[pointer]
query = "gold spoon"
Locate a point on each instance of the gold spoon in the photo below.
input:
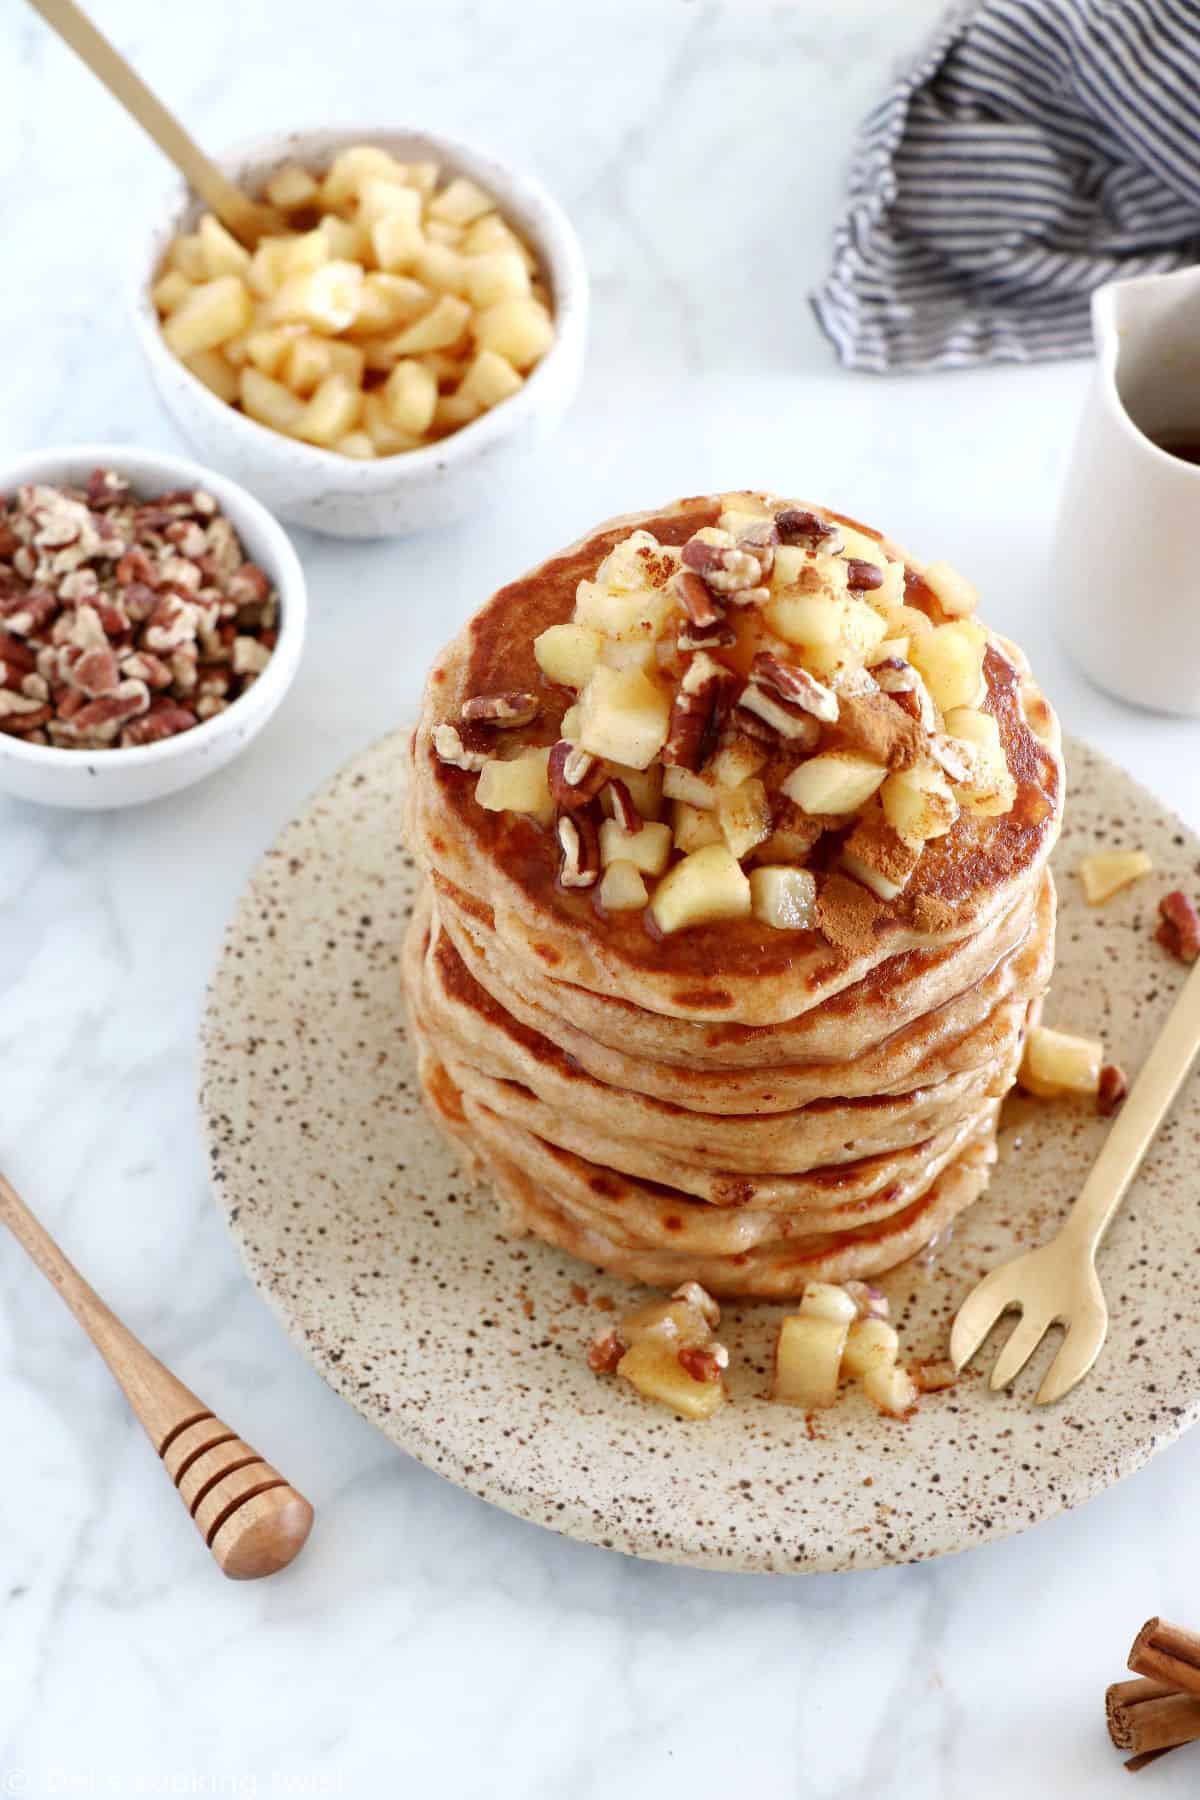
(251, 1519)
(247, 219)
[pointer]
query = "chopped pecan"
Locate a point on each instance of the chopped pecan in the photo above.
(703, 1363)
(791, 682)
(796, 525)
(863, 575)
(623, 809)
(749, 596)
(165, 719)
(575, 775)
(697, 599)
(449, 747)
(503, 710)
(106, 488)
(15, 653)
(906, 686)
(1179, 926)
(697, 713)
(760, 540)
(701, 1300)
(96, 672)
(933, 1377)
(605, 1352)
(1112, 1090)
(28, 615)
(723, 566)
(579, 842)
(24, 724)
(135, 565)
(710, 637)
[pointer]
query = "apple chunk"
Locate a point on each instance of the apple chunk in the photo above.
(655, 1370)
(952, 591)
(568, 654)
(837, 781)
(919, 803)
(624, 716)
(1056, 1063)
(648, 849)
(870, 1342)
(808, 1358)
(519, 785)
(1106, 872)
(744, 815)
(706, 886)
(890, 1388)
(991, 788)
(950, 657)
(783, 897)
(622, 888)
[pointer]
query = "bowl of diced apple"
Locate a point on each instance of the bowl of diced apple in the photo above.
(389, 357)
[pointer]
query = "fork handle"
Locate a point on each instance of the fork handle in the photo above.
(1137, 1122)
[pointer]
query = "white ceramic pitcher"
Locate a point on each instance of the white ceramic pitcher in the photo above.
(1126, 569)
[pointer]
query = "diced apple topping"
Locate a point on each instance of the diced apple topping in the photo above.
(952, 591)
(990, 788)
(783, 897)
(891, 1388)
(624, 716)
(621, 887)
(694, 828)
(919, 803)
(648, 849)
(1105, 872)
(870, 1342)
(568, 654)
(1055, 1063)
(808, 1360)
(668, 1351)
(519, 785)
(838, 781)
(706, 886)
(950, 657)
(767, 676)
(744, 815)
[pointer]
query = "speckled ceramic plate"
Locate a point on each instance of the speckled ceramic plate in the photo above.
(466, 1348)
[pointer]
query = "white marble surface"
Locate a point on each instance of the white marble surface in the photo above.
(424, 1641)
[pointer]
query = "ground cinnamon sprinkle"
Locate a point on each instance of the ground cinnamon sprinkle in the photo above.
(846, 914)
(932, 915)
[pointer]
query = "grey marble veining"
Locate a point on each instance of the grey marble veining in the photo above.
(423, 1639)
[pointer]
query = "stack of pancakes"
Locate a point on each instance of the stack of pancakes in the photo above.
(743, 1106)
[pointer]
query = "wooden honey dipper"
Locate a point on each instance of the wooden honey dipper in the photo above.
(252, 1520)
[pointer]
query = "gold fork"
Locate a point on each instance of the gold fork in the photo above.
(1058, 1284)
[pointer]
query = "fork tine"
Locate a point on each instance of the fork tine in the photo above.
(1027, 1334)
(975, 1318)
(1076, 1354)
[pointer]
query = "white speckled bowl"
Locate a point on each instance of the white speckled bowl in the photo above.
(419, 488)
(96, 780)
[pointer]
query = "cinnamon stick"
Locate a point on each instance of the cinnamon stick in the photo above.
(1166, 1652)
(1148, 1718)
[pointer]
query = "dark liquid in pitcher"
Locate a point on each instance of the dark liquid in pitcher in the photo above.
(1187, 449)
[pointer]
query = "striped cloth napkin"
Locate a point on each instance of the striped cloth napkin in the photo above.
(1034, 149)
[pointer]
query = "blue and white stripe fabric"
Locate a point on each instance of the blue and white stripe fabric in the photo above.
(1035, 149)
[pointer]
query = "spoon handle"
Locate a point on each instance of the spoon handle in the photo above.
(245, 218)
(252, 1520)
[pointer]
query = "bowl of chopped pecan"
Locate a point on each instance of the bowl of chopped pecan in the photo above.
(152, 616)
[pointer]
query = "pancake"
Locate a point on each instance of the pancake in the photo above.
(550, 1194)
(950, 1039)
(754, 1100)
(509, 865)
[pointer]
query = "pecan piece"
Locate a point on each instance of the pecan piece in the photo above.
(697, 599)
(703, 1364)
(28, 615)
(623, 809)
(863, 575)
(796, 525)
(575, 775)
(1179, 926)
(1112, 1090)
(503, 710)
(956, 759)
(605, 1352)
(708, 637)
(579, 842)
(164, 720)
(790, 682)
(692, 1294)
(723, 566)
(449, 747)
(697, 713)
(96, 672)
(906, 686)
